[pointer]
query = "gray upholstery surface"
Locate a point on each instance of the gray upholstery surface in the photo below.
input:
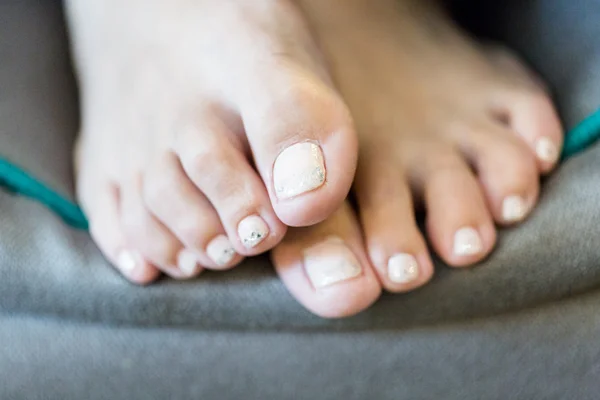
(35, 74)
(549, 353)
(74, 329)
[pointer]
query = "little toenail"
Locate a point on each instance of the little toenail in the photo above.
(403, 268)
(514, 209)
(128, 261)
(220, 250)
(252, 230)
(330, 262)
(467, 242)
(187, 262)
(298, 169)
(546, 150)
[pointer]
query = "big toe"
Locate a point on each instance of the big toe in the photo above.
(304, 145)
(326, 268)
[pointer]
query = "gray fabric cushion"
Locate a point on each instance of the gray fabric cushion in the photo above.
(38, 104)
(63, 309)
(548, 353)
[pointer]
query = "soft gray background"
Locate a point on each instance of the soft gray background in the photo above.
(523, 325)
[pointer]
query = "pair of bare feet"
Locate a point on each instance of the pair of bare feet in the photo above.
(209, 127)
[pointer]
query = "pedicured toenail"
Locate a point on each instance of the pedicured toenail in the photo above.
(252, 230)
(403, 268)
(298, 169)
(220, 250)
(187, 262)
(330, 262)
(467, 242)
(514, 209)
(546, 150)
(128, 261)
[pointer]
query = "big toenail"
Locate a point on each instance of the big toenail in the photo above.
(467, 242)
(128, 261)
(252, 230)
(187, 262)
(220, 250)
(403, 268)
(546, 150)
(514, 209)
(298, 169)
(330, 262)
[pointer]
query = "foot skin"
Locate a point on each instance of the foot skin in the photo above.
(443, 123)
(182, 102)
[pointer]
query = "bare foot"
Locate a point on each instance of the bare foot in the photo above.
(182, 101)
(443, 123)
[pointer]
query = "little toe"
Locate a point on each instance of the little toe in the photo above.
(304, 146)
(534, 118)
(459, 224)
(102, 211)
(394, 243)
(152, 240)
(506, 169)
(326, 268)
(218, 168)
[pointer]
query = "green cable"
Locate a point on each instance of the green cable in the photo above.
(582, 136)
(24, 184)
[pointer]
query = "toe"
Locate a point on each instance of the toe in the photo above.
(507, 170)
(534, 118)
(151, 240)
(304, 146)
(326, 268)
(218, 168)
(101, 208)
(186, 212)
(459, 225)
(395, 245)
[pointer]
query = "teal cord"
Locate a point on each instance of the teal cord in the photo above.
(21, 182)
(582, 136)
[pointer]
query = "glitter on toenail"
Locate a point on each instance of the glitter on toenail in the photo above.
(467, 242)
(403, 268)
(514, 209)
(298, 169)
(226, 256)
(220, 250)
(187, 262)
(330, 262)
(546, 150)
(252, 230)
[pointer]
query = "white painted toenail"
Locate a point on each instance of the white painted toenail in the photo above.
(220, 250)
(252, 230)
(514, 209)
(187, 262)
(298, 169)
(128, 261)
(403, 268)
(330, 262)
(546, 150)
(467, 242)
